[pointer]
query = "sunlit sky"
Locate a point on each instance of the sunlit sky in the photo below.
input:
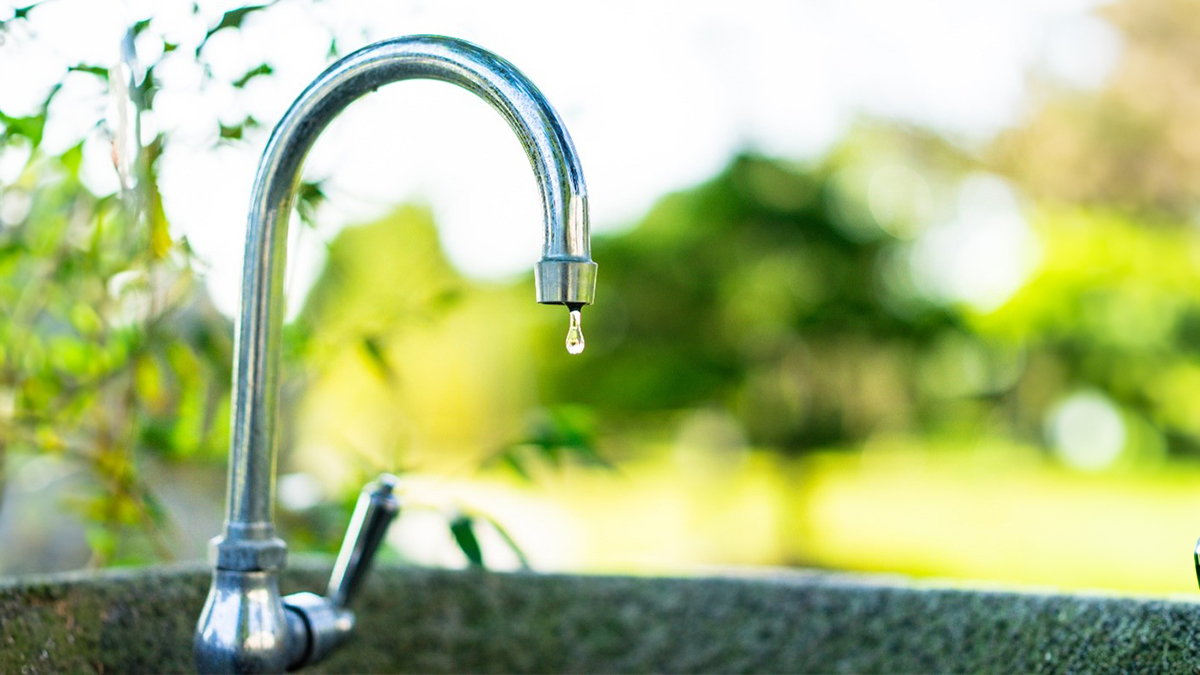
(657, 97)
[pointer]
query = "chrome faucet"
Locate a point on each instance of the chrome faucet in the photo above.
(246, 625)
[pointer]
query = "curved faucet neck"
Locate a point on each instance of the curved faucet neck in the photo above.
(566, 274)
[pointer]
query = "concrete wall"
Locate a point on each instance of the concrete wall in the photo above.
(419, 620)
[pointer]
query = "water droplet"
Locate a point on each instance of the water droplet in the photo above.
(575, 342)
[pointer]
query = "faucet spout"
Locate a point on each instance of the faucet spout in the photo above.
(566, 275)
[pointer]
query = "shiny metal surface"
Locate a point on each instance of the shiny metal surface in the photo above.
(243, 627)
(374, 512)
(324, 626)
(565, 282)
(235, 634)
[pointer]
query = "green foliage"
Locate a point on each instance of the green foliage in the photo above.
(258, 71)
(765, 293)
(1115, 308)
(98, 71)
(30, 128)
(109, 349)
(235, 132)
(232, 19)
(554, 437)
(752, 293)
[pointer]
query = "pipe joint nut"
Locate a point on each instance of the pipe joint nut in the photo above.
(247, 555)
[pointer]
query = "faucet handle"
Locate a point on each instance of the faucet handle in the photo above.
(377, 507)
(318, 624)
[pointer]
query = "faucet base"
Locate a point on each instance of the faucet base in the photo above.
(244, 627)
(247, 627)
(325, 626)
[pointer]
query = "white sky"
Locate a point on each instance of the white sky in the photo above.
(657, 96)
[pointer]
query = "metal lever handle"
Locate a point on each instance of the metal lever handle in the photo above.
(377, 507)
(317, 625)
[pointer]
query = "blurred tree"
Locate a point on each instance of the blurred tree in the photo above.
(1134, 143)
(1114, 308)
(764, 292)
(108, 347)
(785, 297)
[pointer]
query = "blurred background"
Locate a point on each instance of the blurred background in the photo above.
(902, 287)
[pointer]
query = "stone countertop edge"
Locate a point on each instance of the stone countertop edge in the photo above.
(140, 620)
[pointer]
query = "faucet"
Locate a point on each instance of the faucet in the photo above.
(246, 625)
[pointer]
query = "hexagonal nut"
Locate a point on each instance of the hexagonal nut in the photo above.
(247, 555)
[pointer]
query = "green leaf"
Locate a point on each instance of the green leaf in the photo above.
(309, 196)
(102, 541)
(377, 356)
(70, 355)
(73, 158)
(98, 71)
(512, 459)
(238, 131)
(555, 437)
(30, 127)
(588, 455)
(260, 70)
(463, 529)
(143, 95)
(232, 19)
(233, 132)
(446, 299)
(149, 384)
(512, 543)
(160, 228)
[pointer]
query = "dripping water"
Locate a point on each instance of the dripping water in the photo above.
(575, 342)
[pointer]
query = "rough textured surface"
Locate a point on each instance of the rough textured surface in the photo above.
(435, 621)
